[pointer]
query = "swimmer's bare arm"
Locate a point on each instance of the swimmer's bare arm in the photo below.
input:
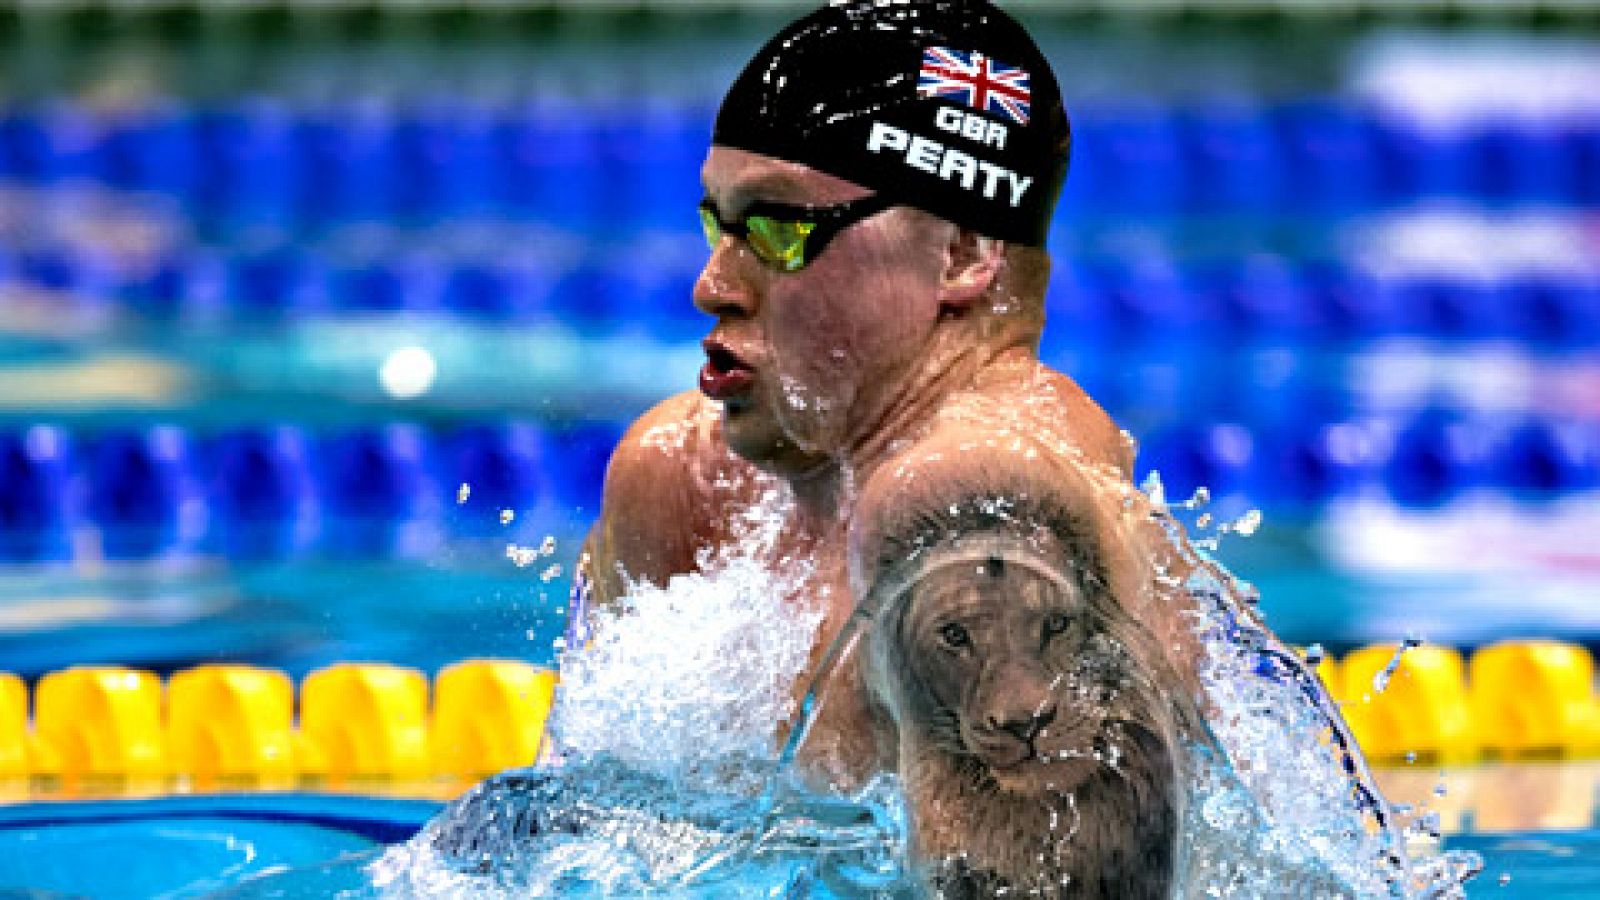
(652, 516)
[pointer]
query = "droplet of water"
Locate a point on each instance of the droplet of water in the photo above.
(550, 573)
(1380, 681)
(548, 545)
(1203, 520)
(1249, 593)
(1200, 497)
(521, 557)
(1153, 488)
(1427, 825)
(506, 515)
(1505, 878)
(1315, 654)
(463, 492)
(1247, 523)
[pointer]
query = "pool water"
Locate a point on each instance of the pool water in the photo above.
(190, 846)
(1550, 864)
(187, 846)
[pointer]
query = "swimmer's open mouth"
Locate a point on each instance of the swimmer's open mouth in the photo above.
(724, 376)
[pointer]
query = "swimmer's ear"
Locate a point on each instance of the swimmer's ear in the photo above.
(972, 265)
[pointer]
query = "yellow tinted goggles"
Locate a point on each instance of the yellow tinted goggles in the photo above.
(788, 237)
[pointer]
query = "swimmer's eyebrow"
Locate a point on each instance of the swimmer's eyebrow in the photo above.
(774, 187)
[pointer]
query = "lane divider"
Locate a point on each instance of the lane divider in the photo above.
(1522, 699)
(365, 725)
(361, 726)
(231, 723)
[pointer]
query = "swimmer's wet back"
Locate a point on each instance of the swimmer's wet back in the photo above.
(944, 105)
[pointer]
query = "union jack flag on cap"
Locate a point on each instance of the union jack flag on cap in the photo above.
(979, 81)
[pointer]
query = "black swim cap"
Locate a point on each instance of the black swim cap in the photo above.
(945, 105)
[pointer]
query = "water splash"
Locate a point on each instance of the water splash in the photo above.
(681, 678)
(666, 728)
(1311, 804)
(597, 829)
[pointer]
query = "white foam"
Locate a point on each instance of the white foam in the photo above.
(681, 678)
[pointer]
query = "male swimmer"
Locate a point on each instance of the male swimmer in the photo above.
(877, 196)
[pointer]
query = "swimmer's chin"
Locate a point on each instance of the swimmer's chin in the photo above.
(758, 440)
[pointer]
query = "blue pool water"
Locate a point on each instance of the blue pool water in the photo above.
(189, 846)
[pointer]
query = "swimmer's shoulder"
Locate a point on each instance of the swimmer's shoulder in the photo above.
(653, 510)
(665, 437)
(1027, 394)
(1028, 430)
(676, 446)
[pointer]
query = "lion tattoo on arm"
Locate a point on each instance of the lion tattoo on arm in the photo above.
(1038, 729)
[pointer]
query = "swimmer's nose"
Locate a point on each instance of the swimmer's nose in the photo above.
(721, 290)
(1025, 725)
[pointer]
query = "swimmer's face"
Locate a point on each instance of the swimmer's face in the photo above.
(807, 363)
(1018, 671)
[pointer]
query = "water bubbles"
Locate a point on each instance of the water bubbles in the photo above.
(547, 546)
(462, 493)
(506, 516)
(1504, 879)
(1200, 498)
(550, 573)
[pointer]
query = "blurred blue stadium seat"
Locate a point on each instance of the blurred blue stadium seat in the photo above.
(39, 506)
(1434, 458)
(503, 466)
(262, 491)
(144, 492)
